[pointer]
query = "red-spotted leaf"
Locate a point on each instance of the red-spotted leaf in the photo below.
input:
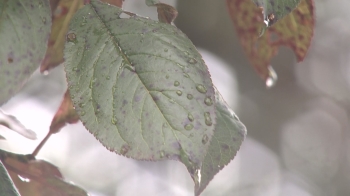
(294, 31)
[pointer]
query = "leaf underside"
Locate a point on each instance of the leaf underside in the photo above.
(24, 31)
(139, 86)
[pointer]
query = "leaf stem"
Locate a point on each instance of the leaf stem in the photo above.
(38, 148)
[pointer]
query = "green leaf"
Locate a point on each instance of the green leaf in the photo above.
(24, 31)
(279, 8)
(6, 185)
(226, 141)
(139, 86)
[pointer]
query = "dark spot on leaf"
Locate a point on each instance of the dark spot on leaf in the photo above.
(10, 60)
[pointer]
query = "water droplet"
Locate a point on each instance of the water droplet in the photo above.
(176, 83)
(161, 154)
(125, 148)
(208, 101)
(23, 179)
(205, 139)
(186, 75)
(44, 20)
(207, 119)
(192, 61)
(81, 105)
(179, 93)
(108, 77)
(46, 73)
(167, 76)
(189, 96)
(84, 22)
(165, 50)
(186, 53)
(171, 101)
(189, 127)
(272, 78)
(200, 88)
(71, 37)
(82, 113)
(190, 117)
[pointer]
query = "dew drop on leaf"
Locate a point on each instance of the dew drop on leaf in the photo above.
(179, 93)
(192, 61)
(205, 139)
(207, 119)
(190, 117)
(176, 83)
(161, 154)
(189, 127)
(189, 96)
(208, 101)
(200, 88)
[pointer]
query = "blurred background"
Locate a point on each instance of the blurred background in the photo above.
(298, 141)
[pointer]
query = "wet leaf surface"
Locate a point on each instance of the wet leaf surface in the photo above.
(294, 31)
(24, 31)
(37, 177)
(227, 139)
(140, 86)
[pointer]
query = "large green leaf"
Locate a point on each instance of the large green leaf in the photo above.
(279, 8)
(6, 185)
(227, 139)
(24, 31)
(140, 86)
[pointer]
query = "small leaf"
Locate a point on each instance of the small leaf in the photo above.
(65, 114)
(227, 139)
(139, 86)
(276, 9)
(40, 177)
(6, 185)
(60, 21)
(12, 123)
(24, 31)
(294, 30)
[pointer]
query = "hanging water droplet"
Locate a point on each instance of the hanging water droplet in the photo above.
(125, 148)
(190, 117)
(161, 154)
(272, 78)
(71, 37)
(200, 88)
(189, 127)
(207, 119)
(208, 101)
(189, 96)
(176, 83)
(179, 93)
(165, 50)
(205, 139)
(192, 61)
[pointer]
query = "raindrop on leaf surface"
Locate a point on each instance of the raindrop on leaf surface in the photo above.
(189, 96)
(200, 88)
(190, 117)
(176, 83)
(189, 127)
(208, 101)
(179, 93)
(205, 139)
